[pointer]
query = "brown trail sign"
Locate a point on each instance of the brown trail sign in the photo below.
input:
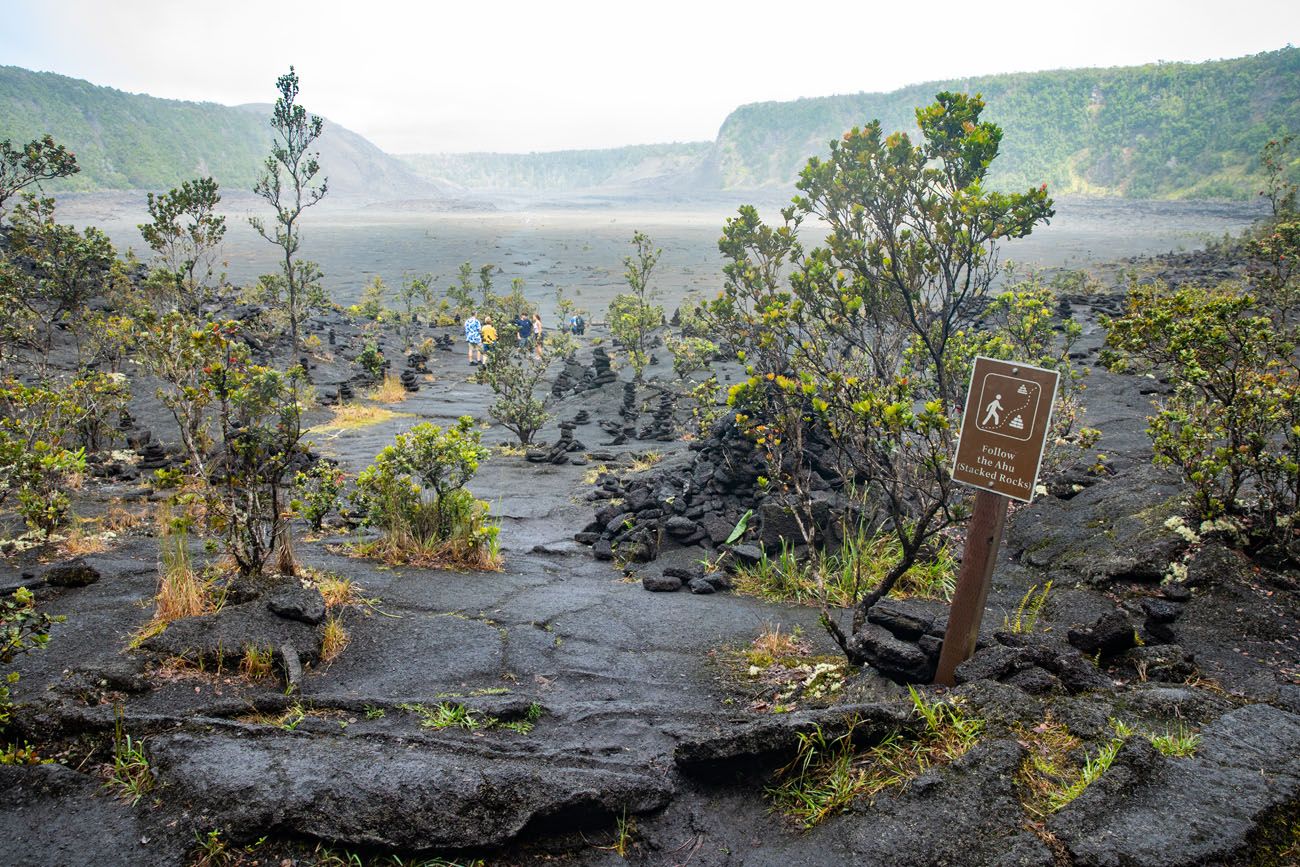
(1000, 450)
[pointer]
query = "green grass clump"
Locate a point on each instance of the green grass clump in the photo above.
(1050, 777)
(444, 715)
(1178, 743)
(829, 774)
(844, 576)
(130, 774)
(450, 715)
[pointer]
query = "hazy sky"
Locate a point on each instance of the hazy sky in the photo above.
(550, 74)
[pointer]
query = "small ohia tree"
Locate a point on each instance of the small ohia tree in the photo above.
(633, 315)
(258, 412)
(414, 300)
(851, 347)
(460, 294)
(38, 160)
(50, 273)
(514, 371)
(1232, 424)
(289, 185)
(241, 426)
(185, 233)
(176, 349)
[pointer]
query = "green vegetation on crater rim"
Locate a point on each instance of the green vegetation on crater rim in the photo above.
(1167, 130)
(1164, 130)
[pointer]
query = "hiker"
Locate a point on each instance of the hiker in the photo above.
(474, 337)
(577, 324)
(489, 335)
(537, 334)
(523, 329)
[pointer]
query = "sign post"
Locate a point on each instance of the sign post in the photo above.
(1000, 450)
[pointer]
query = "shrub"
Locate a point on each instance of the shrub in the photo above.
(1232, 424)
(372, 362)
(50, 272)
(186, 232)
(176, 349)
(318, 492)
(210, 382)
(22, 628)
(414, 494)
(39, 451)
(260, 419)
(372, 300)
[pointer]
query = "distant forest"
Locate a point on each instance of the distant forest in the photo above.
(127, 141)
(1166, 130)
(563, 170)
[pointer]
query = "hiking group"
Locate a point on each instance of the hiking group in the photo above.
(482, 337)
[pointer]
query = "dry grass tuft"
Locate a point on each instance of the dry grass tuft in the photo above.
(78, 543)
(119, 519)
(643, 462)
(182, 592)
(591, 476)
(390, 391)
(339, 591)
(772, 645)
(447, 555)
(256, 664)
(334, 640)
(351, 416)
(288, 719)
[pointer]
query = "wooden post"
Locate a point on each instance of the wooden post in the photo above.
(979, 557)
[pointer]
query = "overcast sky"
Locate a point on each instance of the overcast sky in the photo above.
(549, 74)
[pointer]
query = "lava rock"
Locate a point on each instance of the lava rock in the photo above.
(1205, 809)
(224, 637)
(71, 573)
(304, 604)
(685, 573)
(1034, 680)
(1112, 634)
(991, 663)
(291, 667)
(746, 555)
(900, 661)
(680, 527)
(359, 791)
(661, 583)
(905, 620)
(1166, 663)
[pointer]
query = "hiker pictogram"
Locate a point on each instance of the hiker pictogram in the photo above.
(1009, 406)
